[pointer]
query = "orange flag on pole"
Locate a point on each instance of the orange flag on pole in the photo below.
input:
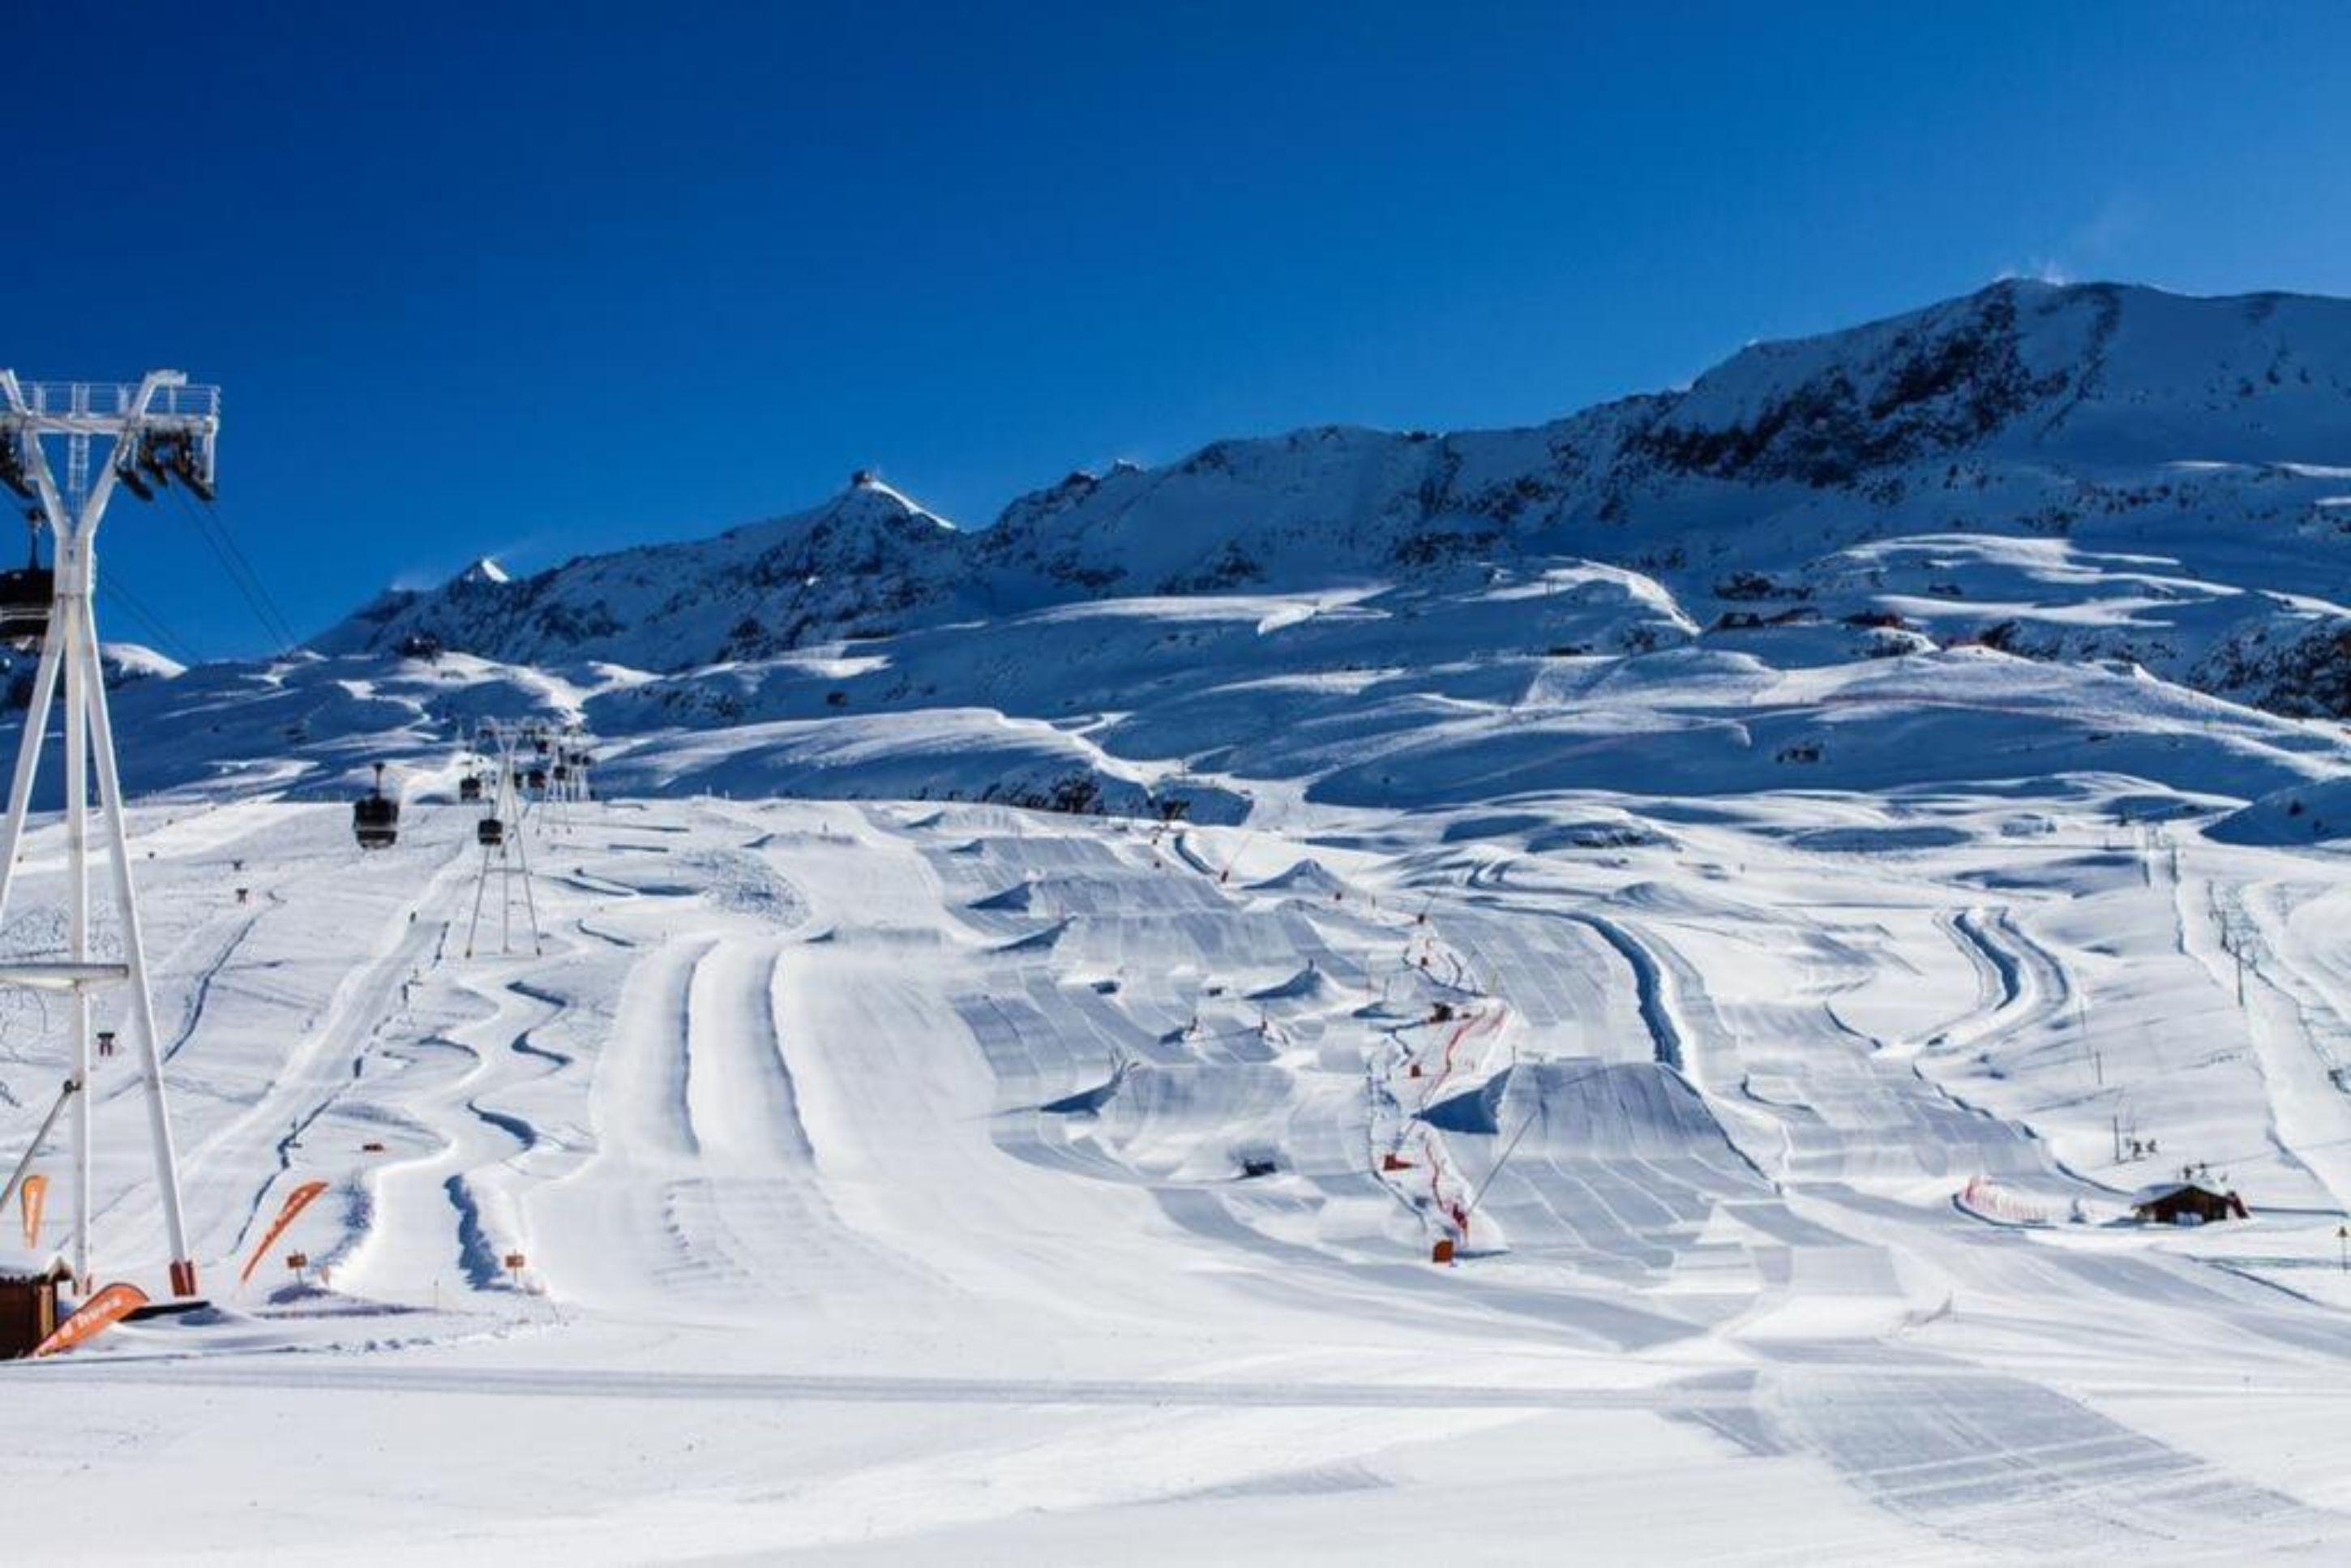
(32, 1195)
(100, 1312)
(295, 1202)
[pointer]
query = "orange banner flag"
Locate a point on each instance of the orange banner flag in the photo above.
(35, 1196)
(298, 1200)
(99, 1314)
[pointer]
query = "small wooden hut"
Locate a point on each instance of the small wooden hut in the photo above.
(28, 1299)
(2186, 1203)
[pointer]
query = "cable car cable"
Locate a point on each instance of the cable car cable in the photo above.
(228, 565)
(250, 588)
(178, 647)
(211, 509)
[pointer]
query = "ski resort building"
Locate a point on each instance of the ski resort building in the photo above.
(2186, 1203)
(29, 1300)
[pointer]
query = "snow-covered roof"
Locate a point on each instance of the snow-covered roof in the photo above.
(18, 1264)
(2163, 1189)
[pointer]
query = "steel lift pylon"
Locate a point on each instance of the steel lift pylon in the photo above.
(161, 430)
(500, 835)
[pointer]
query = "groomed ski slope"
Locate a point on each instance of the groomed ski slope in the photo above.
(879, 1176)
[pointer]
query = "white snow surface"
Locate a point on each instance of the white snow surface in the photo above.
(1769, 870)
(879, 1172)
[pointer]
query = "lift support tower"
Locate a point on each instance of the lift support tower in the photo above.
(158, 433)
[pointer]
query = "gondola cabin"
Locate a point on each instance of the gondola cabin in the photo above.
(29, 1300)
(375, 817)
(469, 788)
(490, 832)
(25, 593)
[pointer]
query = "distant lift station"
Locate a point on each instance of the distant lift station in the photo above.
(157, 434)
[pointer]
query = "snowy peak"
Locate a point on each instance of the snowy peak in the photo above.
(868, 495)
(2098, 372)
(1823, 411)
(2101, 413)
(860, 563)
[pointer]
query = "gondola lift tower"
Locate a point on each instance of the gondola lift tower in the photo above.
(500, 834)
(159, 433)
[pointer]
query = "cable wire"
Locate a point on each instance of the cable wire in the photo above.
(241, 572)
(277, 611)
(167, 640)
(249, 586)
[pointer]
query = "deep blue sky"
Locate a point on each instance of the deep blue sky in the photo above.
(612, 274)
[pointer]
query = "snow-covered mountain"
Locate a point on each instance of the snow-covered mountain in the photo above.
(2099, 421)
(1696, 950)
(2039, 530)
(862, 562)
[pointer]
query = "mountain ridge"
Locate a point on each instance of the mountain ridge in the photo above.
(2025, 408)
(2092, 531)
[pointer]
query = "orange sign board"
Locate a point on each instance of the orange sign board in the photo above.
(34, 1195)
(295, 1202)
(98, 1314)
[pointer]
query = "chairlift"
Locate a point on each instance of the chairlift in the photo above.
(490, 832)
(375, 817)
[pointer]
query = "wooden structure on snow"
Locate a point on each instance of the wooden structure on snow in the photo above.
(28, 1299)
(2186, 1203)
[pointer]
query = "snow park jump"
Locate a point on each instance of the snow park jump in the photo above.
(667, 915)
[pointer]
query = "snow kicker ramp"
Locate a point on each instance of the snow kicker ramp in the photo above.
(1618, 1170)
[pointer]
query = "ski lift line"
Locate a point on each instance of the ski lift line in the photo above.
(240, 573)
(178, 647)
(228, 537)
(136, 603)
(209, 520)
(244, 587)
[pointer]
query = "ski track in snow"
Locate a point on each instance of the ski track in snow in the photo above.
(1736, 1141)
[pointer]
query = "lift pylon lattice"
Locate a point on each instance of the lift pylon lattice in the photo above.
(558, 773)
(505, 855)
(160, 431)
